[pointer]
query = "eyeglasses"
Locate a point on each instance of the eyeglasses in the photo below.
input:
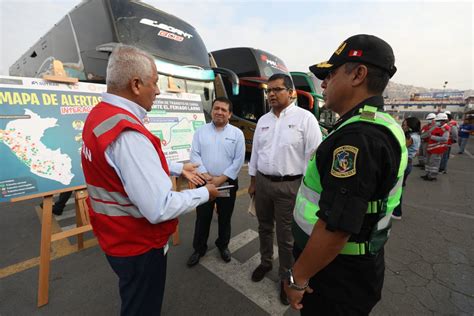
(276, 90)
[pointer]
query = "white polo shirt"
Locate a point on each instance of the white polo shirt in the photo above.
(282, 146)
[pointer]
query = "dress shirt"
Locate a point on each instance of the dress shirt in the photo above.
(282, 146)
(219, 152)
(138, 166)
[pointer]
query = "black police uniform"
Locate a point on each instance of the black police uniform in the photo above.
(352, 284)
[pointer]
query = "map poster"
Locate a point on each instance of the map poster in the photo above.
(41, 134)
(174, 118)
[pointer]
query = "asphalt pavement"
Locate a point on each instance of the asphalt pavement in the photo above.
(429, 258)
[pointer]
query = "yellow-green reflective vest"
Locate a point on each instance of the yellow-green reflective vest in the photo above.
(307, 200)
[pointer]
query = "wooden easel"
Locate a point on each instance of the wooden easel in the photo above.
(82, 216)
(83, 225)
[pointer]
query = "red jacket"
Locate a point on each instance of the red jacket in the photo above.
(118, 224)
(436, 147)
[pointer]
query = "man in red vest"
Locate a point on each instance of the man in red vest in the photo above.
(132, 209)
(437, 146)
(453, 138)
(425, 135)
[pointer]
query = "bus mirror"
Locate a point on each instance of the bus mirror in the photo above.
(305, 100)
(206, 93)
(231, 76)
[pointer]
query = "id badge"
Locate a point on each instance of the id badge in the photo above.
(166, 247)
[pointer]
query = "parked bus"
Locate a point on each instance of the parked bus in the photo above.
(85, 37)
(253, 67)
(309, 83)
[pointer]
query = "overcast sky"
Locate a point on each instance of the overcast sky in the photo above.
(433, 41)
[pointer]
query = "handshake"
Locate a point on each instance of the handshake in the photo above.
(212, 184)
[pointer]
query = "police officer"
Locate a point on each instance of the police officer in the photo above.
(351, 186)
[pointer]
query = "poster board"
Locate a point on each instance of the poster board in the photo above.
(41, 132)
(41, 135)
(174, 118)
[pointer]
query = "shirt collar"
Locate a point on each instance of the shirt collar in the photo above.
(286, 110)
(124, 104)
(376, 101)
(215, 127)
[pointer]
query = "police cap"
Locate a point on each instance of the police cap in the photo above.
(362, 48)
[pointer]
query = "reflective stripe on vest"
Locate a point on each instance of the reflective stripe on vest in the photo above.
(111, 203)
(110, 123)
(101, 194)
(307, 200)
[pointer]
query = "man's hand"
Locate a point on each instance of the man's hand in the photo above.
(206, 176)
(252, 186)
(295, 296)
(213, 192)
(190, 173)
(218, 181)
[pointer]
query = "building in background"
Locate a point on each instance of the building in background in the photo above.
(420, 104)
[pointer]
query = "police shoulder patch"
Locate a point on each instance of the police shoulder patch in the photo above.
(344, 161)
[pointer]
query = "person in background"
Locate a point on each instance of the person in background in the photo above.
(132, 209)
(425, 135)
(219, 149)
(283, 142)
(453, 137)
(411, 127)
(437, 146)
(351, 185)
(463, 136)
(60, 204)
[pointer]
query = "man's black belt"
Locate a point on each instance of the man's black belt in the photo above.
(281, 178)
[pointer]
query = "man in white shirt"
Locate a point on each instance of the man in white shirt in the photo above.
(283, 142)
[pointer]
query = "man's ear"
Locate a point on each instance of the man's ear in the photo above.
(135, 84)
(292, 93)
(359, 75)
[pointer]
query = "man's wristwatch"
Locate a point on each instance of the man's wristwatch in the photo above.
(291, 281)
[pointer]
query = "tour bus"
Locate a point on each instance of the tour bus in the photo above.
(253, 67)
(85, 37)
(309, 83)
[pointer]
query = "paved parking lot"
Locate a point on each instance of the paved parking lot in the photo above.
(429, 258)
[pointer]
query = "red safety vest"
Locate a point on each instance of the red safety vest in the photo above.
(435, 147)
(425, 128)
(118, 224)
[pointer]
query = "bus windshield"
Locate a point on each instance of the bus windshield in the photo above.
(158, 32)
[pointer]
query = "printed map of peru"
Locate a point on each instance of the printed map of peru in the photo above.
(23, 137)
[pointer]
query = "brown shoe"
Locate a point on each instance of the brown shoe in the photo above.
(259, 273)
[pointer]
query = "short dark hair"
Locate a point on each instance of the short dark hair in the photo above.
(286, 80)
(377, 78)
(413, 124)
(224, 100)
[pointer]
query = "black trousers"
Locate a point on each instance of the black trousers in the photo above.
(62, 200)
(141, 282)
(340, 289)
(204, 212)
